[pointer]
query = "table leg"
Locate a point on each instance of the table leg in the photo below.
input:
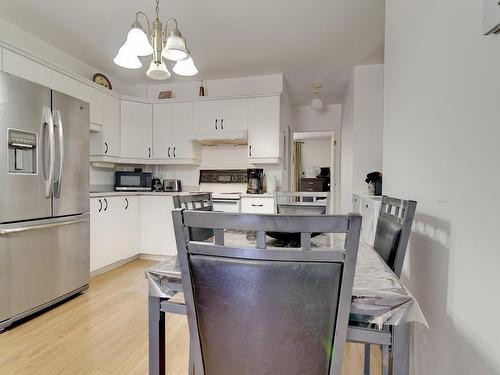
(157, 360)
(367, 360)
(401, 349)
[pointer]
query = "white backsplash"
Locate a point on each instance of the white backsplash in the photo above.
(216, 157)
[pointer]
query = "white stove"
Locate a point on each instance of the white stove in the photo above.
(226, 187)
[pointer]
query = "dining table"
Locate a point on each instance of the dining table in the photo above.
(382, 308)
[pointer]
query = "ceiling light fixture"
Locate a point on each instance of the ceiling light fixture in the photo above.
(170, 45)
(317, 103)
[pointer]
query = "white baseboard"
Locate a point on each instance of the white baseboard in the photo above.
(114, 265)
(156, 257)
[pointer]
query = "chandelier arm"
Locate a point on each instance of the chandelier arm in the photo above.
(147, 21)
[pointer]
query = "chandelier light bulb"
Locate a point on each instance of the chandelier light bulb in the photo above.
(158, 71)
(317, 104)
(147, 38)
(185, 68)
(126, 58)
(175, 48)
(139, 42)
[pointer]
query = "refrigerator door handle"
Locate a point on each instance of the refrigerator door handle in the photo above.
(60, 135)
(47, 123)
(41, 224)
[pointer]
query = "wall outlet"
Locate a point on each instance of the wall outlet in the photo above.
(491, 17)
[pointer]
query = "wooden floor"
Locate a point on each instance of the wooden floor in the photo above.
(104, 331)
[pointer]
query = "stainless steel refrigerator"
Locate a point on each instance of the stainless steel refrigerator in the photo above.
(44, 197)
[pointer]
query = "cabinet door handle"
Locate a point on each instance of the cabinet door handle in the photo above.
(168, 152)
(222, 124)
(149, 151)
(100, 205)
(250, 150)
(126, 200)
(257, 205)
(106, 147)
(216, 121)
(106, 201)
(174, 152)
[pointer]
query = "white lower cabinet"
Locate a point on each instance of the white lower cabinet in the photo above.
(157, 228)
(251, 205)
(114, 230)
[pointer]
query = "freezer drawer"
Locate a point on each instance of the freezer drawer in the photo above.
(41, 261)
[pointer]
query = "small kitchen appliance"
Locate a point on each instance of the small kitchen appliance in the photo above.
(157, 185)
(133, 181)
(255, 181)
(170, 184)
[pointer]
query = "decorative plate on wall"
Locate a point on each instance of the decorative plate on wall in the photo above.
(102, 80)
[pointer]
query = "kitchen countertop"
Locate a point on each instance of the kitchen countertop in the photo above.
(136, 193)
(265, 195)
(164, 193)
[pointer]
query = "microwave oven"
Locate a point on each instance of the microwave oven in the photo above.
(133, 181)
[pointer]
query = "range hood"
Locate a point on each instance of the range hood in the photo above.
(221, 137)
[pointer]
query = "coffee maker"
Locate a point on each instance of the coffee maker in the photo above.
(255, 181)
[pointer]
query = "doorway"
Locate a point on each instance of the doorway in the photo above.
(314, 162)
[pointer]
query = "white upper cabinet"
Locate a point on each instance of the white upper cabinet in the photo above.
(182, 132)
(264, 129)
(206, 115)
(173, 132)
(110, 106)
(233, 114)
(136, 129)
(223, 114)
(162, 131)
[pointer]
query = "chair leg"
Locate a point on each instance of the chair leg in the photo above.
(385, 359)
(367, 359)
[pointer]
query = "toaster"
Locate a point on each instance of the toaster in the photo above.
(170, 184)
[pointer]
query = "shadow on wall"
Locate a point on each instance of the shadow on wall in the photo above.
(429, 279)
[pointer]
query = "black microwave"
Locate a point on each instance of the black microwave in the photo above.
(133, 181)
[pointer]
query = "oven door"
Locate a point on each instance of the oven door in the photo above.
(226, 205)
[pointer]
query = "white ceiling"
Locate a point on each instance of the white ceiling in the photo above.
(309, 40)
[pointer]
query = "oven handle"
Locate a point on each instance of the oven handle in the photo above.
(226, 201)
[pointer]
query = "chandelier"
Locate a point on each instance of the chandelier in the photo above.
(170, 45)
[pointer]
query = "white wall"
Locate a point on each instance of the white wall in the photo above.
(361, 130)
(27, 42)
(441, 148)
(218, 157)
(305, 119)
(315, 152)
(266, 84)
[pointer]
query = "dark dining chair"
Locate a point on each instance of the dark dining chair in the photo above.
(302, 203)
(266, 311)
(391, 242)
(197, 202)
(393, 231)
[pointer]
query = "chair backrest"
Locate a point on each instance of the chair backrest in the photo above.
(302, 203)
(254, 310)
(201, 201)
(393, 231)
(196, 202)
